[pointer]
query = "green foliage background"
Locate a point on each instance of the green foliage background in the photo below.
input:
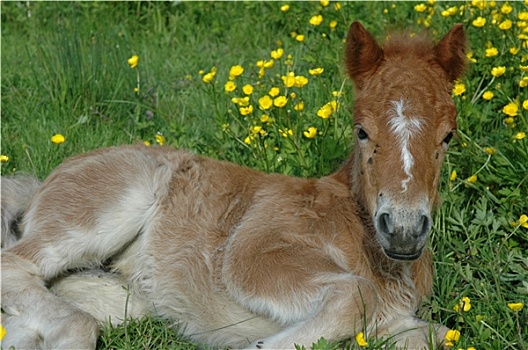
(64, 70)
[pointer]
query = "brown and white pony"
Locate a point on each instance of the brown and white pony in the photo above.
(237, 257)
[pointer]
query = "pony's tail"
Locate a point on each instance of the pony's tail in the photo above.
(17, 193)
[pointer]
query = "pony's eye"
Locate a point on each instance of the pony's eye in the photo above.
(362, 134)
(448, 138)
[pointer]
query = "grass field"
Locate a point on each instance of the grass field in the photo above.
(66, 72)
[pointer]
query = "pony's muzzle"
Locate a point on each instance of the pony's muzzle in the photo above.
(403, 232)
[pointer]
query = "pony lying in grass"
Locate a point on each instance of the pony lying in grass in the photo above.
(241, 258)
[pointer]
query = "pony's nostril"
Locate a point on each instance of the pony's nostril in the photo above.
(423, 226)
(385, 224)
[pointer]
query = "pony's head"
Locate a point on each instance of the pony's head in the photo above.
(404, 119)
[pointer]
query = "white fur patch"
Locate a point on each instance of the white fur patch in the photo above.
(404, 127)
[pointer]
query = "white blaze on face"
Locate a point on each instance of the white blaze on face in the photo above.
(404, 128)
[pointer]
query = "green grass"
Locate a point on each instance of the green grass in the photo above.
(64, 70)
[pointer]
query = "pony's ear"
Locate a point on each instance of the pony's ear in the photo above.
(450, 53)
(363, 55)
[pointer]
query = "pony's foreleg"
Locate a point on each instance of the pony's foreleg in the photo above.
(342, 305)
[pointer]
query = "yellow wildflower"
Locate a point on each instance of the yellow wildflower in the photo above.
(492, 52)
(479, 22)
(463, 305)
(248, 89)
(459, 89)
(256, 129)
(316, 71)
(310, 133)
(146, 143)
(248, 139)
(286, 133)
(207, 78)
(246, 110)
(285, 8)
(300, 81)
(509, 121)
(523, 82)
(288, 80)
(324, 3)
(160, 139)
(332, 24)
(514, 50)
(523, 68)
(490, 150)
(360, 340)
(451, 337)
(520, 135)
(525, 104)
(480, 4)
(136, 90)
(453, 176)
(133, 61)
(274, 91)
(4, 158)
(235, 71)
(510, 109)
(498, 71)
(516, 306)
(2, 332)
(420, 8)
(265, 102)
(472, 179)
(277, 54)
(299, 38)
(523, 16)
(337, 6)
(506, 8)
(230, 86)
(299, 106)
(505, 25)
(264, 118)
(280, 101)
(470, 57)
(488, 95)
(58, 139)
(316, 20)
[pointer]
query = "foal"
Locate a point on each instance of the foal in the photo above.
(238, 257)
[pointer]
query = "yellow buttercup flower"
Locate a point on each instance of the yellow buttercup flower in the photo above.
(229, 86)
(525, 104)
(520, 135)
(299, 38)
(160, 139)
(264, 118)
(472, 179)
(274, 91)
(248, 89)
(280, 101)
(4, 158)
(265, 102)
(133, 61)
(451, 337)
(523, 16)
(288, 80)
(479, 22)
(246, 110)
(332, 24)
(2, 332)
(514, 50)
(285, 8)
(491, 52)
(490, 150)
(516, 306)
(453, 176)
(498, 71)
(523, 82)
(360, 340)
(488, 95)
(146, 143)
(58, 139)
(324, 3)
(510, 109)
(207, 78)
(459, 89)
(235, 71)
(286, 133)
(316, 20)
(506, 8)
(420, 8)
(463, 305)
(310, 133)
(277, 54)
(505, 25)
(316, 71)
(300, 81)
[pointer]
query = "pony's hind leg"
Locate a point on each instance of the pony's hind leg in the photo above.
(88, 211)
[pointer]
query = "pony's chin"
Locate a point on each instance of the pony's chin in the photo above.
(403, 257)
